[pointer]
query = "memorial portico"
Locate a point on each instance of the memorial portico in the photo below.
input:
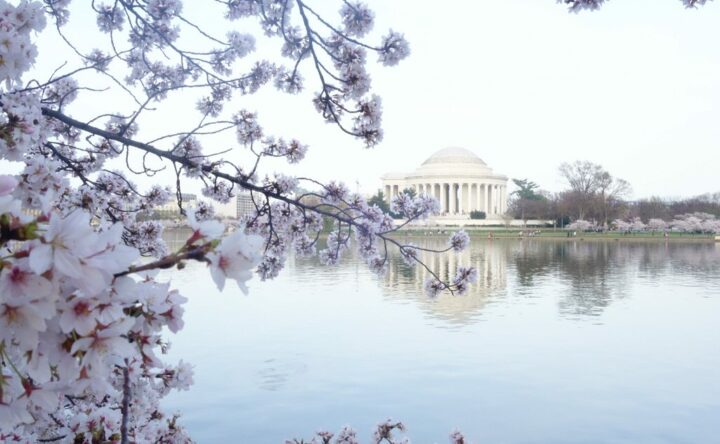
(458, 179)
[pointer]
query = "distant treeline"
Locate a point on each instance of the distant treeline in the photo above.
(667, 209)
(593, 194)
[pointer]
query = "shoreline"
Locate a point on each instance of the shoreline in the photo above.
(556, 235)
(504, 234)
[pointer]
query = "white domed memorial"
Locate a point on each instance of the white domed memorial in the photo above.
(458, 179)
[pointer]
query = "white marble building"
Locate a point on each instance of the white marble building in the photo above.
(458, 179)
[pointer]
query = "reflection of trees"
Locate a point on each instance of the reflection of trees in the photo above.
(403, 282)
(595, 273)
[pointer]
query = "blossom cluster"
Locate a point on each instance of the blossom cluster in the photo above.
(83, 316)
(81, 324)
(637, 225)
(581, 225)
(459, 240)
(383, 432)
(411, 207)
(696, 223)
(701, 223)
(71, 326)
(18, 53)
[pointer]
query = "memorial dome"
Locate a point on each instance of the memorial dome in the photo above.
(454, 154)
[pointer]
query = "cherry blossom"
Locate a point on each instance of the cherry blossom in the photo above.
(581, 225)
(657, 225)
(7, 185)
(459, 240)
(235, 258)
(84, 319)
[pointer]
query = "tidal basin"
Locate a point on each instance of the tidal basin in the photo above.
(558, 342)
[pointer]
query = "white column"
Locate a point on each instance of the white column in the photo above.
(453, 199)
(500, 200)
(458, 204)
(504, 199)
(475, 198)
(443, 199)
(481, 197)
(484, 198)
(461, 198)
(494, 198)
(487, 199)
(468, 198)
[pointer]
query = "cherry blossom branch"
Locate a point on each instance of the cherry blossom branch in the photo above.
(184, 161)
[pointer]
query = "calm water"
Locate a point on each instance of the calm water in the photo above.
(558, 342)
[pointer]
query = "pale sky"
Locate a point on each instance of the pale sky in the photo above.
(524, 84)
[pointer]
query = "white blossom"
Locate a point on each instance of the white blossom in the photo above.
(581, 225)
(357, 18)
(235, 258)
(459, 240)
(434, 286)
(394, 49)
(7, 184)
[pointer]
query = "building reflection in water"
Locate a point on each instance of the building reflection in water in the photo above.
(584, 277)
(406, 283)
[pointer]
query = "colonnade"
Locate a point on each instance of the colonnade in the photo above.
(458, 198)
